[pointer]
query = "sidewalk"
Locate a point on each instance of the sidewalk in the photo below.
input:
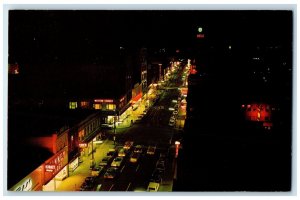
(76, 178)
(134, 116)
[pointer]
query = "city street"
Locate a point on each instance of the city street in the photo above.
(150, 127)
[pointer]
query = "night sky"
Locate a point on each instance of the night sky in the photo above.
(57, 36)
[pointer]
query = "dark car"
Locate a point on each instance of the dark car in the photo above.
(106, 161)
(157, 178)
(88, 184)
(96, 171)
(111, 173)
(134, 157)
(112, 152)
(138, 149)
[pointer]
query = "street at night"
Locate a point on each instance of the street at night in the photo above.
(108, 101)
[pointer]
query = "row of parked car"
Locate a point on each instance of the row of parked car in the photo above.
(172, 120)
(116, 157)
(111, 164)
(157, 175)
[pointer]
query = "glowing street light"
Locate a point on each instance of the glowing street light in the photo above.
(177, 144)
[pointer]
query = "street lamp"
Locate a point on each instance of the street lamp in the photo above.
(159, 71)
(177, 144)
(115, 119)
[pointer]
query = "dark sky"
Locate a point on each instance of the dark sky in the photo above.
(50, 35)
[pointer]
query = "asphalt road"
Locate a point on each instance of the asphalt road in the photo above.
(153, 129)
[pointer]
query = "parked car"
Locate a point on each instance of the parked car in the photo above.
(138, 149)
(106, 161)
(111, 152)
(111, 173)
(160, 165)
(134, 157)
(157, 172)
(122, 152)
(117, 162)
(88, 184)
(151, 150)
(96, 171)
(156, 177)
(153, 187)
(128, 145)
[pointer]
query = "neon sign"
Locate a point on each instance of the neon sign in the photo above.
(25, 186)
(200, 35)
(82, 145)
(104, 100)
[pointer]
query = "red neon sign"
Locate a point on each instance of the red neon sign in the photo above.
(200, 35)
(104, 100)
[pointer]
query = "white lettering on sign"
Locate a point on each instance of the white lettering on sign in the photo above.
(25, 186)
(50, 168)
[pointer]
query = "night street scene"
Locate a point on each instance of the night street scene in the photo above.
(150, 100)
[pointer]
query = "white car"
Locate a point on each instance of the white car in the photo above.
(117, 162)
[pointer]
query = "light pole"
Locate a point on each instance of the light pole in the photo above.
(177, 144)
(92, 160)
(114, 137)
(159, 71)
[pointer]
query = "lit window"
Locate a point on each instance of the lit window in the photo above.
(84, 104)
(111, 106)
(73, 105)
(97, 106)
(81, 135)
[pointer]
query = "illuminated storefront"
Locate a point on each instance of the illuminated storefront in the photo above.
(104, 104)
(32, 182)
(73, 164)
(55, 170)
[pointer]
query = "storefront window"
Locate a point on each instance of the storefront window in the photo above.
(81, 135)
